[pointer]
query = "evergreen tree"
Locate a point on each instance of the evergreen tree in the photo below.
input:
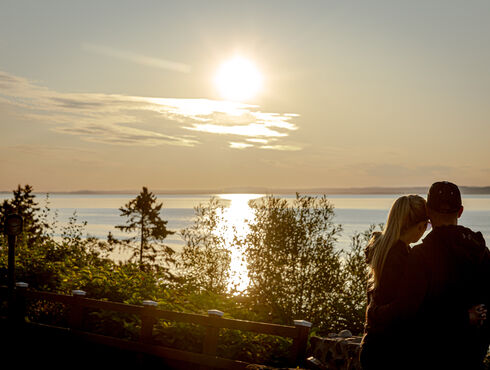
(143, 217)
(24, 204)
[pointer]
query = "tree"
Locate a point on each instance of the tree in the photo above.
(205, 260)
(350, 309)
(143, 217)
(23, 203)
(294, 270)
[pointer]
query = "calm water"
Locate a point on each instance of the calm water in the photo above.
(353, 212)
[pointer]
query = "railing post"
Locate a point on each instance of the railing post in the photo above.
(298, 354)
(20, 302)
(76, 313)
(210, 343)
(147, 321)
(211, 338)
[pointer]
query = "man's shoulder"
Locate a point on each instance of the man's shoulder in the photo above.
(472, 236)
(455, 239)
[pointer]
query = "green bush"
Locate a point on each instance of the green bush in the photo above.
(205, 261)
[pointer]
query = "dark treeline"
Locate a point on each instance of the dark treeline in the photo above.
(295, 270)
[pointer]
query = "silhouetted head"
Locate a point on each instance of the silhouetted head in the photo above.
(444, 203)
(407, 220)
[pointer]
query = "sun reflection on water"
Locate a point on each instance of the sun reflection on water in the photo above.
(235, 218)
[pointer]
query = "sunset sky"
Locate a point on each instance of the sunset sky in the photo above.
(113, 95)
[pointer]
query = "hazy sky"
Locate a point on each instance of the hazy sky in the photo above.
(120, 94)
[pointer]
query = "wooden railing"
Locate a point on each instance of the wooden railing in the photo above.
(77, 304)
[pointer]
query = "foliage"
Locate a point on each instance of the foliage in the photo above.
(293, 267)
(254, 348)
(23, 203)
(205, 261)
(74, 261)
(234, 344)
(143, 217)
(296, 272)
(349, 310)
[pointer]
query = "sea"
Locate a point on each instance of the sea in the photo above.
(354, 212)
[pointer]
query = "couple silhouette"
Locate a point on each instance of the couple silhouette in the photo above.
(427, 304)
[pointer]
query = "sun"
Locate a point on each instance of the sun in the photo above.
(238, 79)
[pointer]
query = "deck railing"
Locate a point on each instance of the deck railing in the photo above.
(149, 313)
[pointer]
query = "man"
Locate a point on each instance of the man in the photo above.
(446, 277)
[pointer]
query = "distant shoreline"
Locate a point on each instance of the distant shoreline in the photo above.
(256, 190)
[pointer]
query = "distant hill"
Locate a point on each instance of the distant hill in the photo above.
(262, 190)
(391, 190)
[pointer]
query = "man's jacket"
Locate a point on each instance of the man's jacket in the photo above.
(448, 273)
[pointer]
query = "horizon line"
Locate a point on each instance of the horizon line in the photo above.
(264, 190)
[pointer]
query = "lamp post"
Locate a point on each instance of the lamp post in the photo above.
(13, 227)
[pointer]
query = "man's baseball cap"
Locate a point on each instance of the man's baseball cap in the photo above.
(444, 197)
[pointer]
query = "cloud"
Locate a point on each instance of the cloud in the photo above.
(46, 150)
(125, 120)
(235, 145)
(19, 154)
(261, 141)
(124, 136)
(8, 81)
(242, 145)
(252, 129)
(281, 147)
(137, 58)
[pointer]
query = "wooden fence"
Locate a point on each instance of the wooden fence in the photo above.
(149, 314)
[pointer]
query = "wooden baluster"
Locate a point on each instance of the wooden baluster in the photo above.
(76, 312)
(146, 333)
(20, 302)
(210, 343)
(298, 353)
(147, 321)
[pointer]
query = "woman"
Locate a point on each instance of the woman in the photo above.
(386, 347)
(387, 254)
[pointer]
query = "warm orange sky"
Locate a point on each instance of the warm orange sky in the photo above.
(115, 95)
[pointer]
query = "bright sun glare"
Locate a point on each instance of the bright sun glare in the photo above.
(235, 220)
(238, 79)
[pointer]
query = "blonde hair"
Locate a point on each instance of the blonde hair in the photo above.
(406, 211)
